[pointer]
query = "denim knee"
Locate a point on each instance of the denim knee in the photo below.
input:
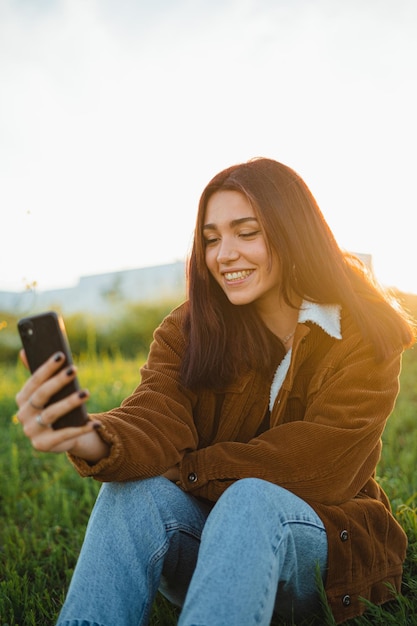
(259, 539)
(253, 495)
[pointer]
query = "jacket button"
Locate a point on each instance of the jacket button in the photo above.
(344, 535)
(192, 477)
(346, 600)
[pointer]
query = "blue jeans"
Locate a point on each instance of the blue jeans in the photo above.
(232, 564)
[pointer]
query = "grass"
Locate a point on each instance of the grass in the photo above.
(45, 505)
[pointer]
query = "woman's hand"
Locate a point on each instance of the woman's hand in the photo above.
(82, 441)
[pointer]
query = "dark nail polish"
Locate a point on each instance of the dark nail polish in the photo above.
(96, 426)
(83, 394)
(70, 371)
(58, 357)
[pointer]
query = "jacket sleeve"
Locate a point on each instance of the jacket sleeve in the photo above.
(329, 455)
(153, 428)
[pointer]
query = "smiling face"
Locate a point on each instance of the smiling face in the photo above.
(236, 252)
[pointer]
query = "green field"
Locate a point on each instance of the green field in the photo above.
(44, 504)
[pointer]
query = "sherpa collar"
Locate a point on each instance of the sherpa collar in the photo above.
(327, 316)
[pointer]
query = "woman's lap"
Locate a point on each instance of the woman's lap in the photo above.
(146, 534)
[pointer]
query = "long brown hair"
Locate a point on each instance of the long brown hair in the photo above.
(224, 338)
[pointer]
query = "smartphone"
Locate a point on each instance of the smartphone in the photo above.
(42, 336)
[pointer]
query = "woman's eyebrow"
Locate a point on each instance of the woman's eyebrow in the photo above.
(233, 223)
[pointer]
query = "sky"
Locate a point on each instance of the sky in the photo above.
(114, 114)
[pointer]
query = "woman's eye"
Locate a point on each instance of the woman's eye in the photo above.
(210, 241)
(253, 233)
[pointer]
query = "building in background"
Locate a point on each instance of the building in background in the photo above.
(102, 294)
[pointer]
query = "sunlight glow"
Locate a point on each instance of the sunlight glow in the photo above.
(115, 116)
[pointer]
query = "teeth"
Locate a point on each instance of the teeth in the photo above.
(237, 275)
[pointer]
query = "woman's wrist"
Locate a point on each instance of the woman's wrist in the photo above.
(91, 448)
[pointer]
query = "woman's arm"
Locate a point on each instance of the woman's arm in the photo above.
(154, 427)
(147, 435)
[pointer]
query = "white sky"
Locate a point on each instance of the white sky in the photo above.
(114, 114)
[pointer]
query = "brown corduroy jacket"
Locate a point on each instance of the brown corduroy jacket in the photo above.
(323, 444)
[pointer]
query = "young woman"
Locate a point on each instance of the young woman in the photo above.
(241, 471)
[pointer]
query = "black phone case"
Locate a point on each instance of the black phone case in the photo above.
(42, 336)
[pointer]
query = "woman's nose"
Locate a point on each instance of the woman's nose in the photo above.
(227, 252)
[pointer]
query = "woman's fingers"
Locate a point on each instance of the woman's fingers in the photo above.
(23, 358)
(46, 417)
(32, 399)
(37, 416)
(62, 440)
(42, 374)
(38, 425)
(51, 386)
